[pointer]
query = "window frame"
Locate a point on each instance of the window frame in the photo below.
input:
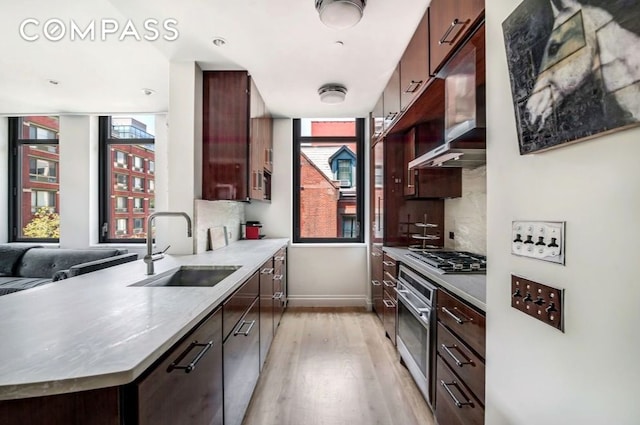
(358, 180)
(14, 168)
(105, 141)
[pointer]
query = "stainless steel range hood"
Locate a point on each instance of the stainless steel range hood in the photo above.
(457, 153)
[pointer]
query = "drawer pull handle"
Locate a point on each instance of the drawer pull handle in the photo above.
(279, 258)
(456, 318)
(376, 283)
(248, 331)
(192, 365)
(277, 277)
(454, 23)
(388, 304)
(457, 402)
(389, 263)
(455, 359)
(388, 283)
(375, 254)
(278, 295)
(266, 271)
(413, 87)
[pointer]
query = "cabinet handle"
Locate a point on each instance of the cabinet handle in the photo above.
(379, 212)
(456, 318)
(248, 331)
(375, 283)
(453, 397)
(388, 303)
(192, 365)
(389, 263)
(454, 23)
(375, 254)
(388, 283)
(413, 86)
(409, 179)
(278, 258)
(277, 277)
(391, 116)
(266, 271)
(455, 359)
(278, 295)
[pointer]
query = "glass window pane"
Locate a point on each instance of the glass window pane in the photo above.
(328, 127)
(37, 164)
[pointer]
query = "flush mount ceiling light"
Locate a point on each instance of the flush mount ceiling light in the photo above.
(332, 93)
(219, 41)
(340, 14)
(148, 92)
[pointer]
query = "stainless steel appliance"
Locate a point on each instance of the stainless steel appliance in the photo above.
(416, 328)
(445, 262)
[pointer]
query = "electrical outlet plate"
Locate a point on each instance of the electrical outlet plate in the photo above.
(542, 240)
(538, 300)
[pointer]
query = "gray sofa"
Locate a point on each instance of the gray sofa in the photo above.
(25, 267)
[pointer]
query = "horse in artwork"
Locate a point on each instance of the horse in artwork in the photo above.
(585, 41)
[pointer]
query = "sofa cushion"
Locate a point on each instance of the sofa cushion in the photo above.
(9, 256)
(45, 262)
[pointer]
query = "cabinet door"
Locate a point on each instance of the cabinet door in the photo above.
(279, 286)
(241, 365)
(449, 23)
(238, 303)
(414, 64)
(455, 404)
(266, 309)
(187, 386)
(391, 99)
(377, 119)
(377, 291)
(377, 193)
(225, 135)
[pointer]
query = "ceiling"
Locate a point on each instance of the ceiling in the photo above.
(282, 43)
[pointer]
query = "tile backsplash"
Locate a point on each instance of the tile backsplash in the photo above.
(467, 216)
(217, 213)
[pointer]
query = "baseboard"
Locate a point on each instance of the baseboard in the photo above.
(328, 301)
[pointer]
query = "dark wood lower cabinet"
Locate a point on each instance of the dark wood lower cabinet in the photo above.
(241, 365)
(455, 403)
(187, 386)
(266, 309)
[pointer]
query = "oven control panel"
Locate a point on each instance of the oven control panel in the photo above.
(543, 240)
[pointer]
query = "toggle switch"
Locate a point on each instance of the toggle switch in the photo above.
(539, 301)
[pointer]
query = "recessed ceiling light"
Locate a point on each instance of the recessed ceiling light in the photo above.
(148, 92)
(54, 82)
(219, 41)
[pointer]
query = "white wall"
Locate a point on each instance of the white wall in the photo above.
(590, 373)
(467, 216)
(332, 275)
(4, 180)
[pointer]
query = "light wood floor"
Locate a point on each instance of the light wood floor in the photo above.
(334, 368)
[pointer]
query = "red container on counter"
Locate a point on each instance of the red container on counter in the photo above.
(253, 232)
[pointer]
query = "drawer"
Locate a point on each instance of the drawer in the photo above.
(455, 404)
(238, 303)
(389, 283)
(464, 362)
(279, 261)
(389, 318)
(390, 265)
(465, 322)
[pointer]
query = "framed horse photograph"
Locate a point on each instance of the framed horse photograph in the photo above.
(574, 68)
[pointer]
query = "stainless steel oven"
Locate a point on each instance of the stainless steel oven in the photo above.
(416, 328)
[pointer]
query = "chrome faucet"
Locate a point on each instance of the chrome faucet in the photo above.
(155, 256)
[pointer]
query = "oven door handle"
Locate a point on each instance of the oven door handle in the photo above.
(419, 311)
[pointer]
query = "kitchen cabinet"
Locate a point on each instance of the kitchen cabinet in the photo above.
(279, 286)
(241, 350)
(429, 182)
(391, 99)
(390, 296)
(377, 290)
(236, 138)
(450, 21)
(414, 64)
(266, 309)
(460, 371)
(377, 119)
(185, 387)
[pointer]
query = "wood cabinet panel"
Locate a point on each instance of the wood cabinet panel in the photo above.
(465, 322)
(266, 309)
(377, 119)
(390, 315)
(187, 386)
(455, 404)
(391, 99)
(236, 305)
(449, 23)
(414, 64)
(377, 291)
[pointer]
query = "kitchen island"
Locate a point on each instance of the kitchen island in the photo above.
(96, 331)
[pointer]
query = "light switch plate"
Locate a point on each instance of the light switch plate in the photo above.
(542, 240)
(538, 300)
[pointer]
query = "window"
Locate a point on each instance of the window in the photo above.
(138, 205)
(120, 159)
(152, 167)
(34, 213)
(329, 180)
(138, 164)
(152, 186)
(123, 139)
(121, 204)
(138, 184)
(42, 170)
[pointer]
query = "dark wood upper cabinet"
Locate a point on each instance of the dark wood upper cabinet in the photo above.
(449, 23)
(414, 64)
(391, 98)
(236, 138)
(377, 119)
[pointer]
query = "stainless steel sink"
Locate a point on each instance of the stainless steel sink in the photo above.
(196, 276)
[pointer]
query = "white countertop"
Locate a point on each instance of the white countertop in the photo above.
(94, 331)
(469, 287)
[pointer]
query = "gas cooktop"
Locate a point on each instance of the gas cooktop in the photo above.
(452, 261)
